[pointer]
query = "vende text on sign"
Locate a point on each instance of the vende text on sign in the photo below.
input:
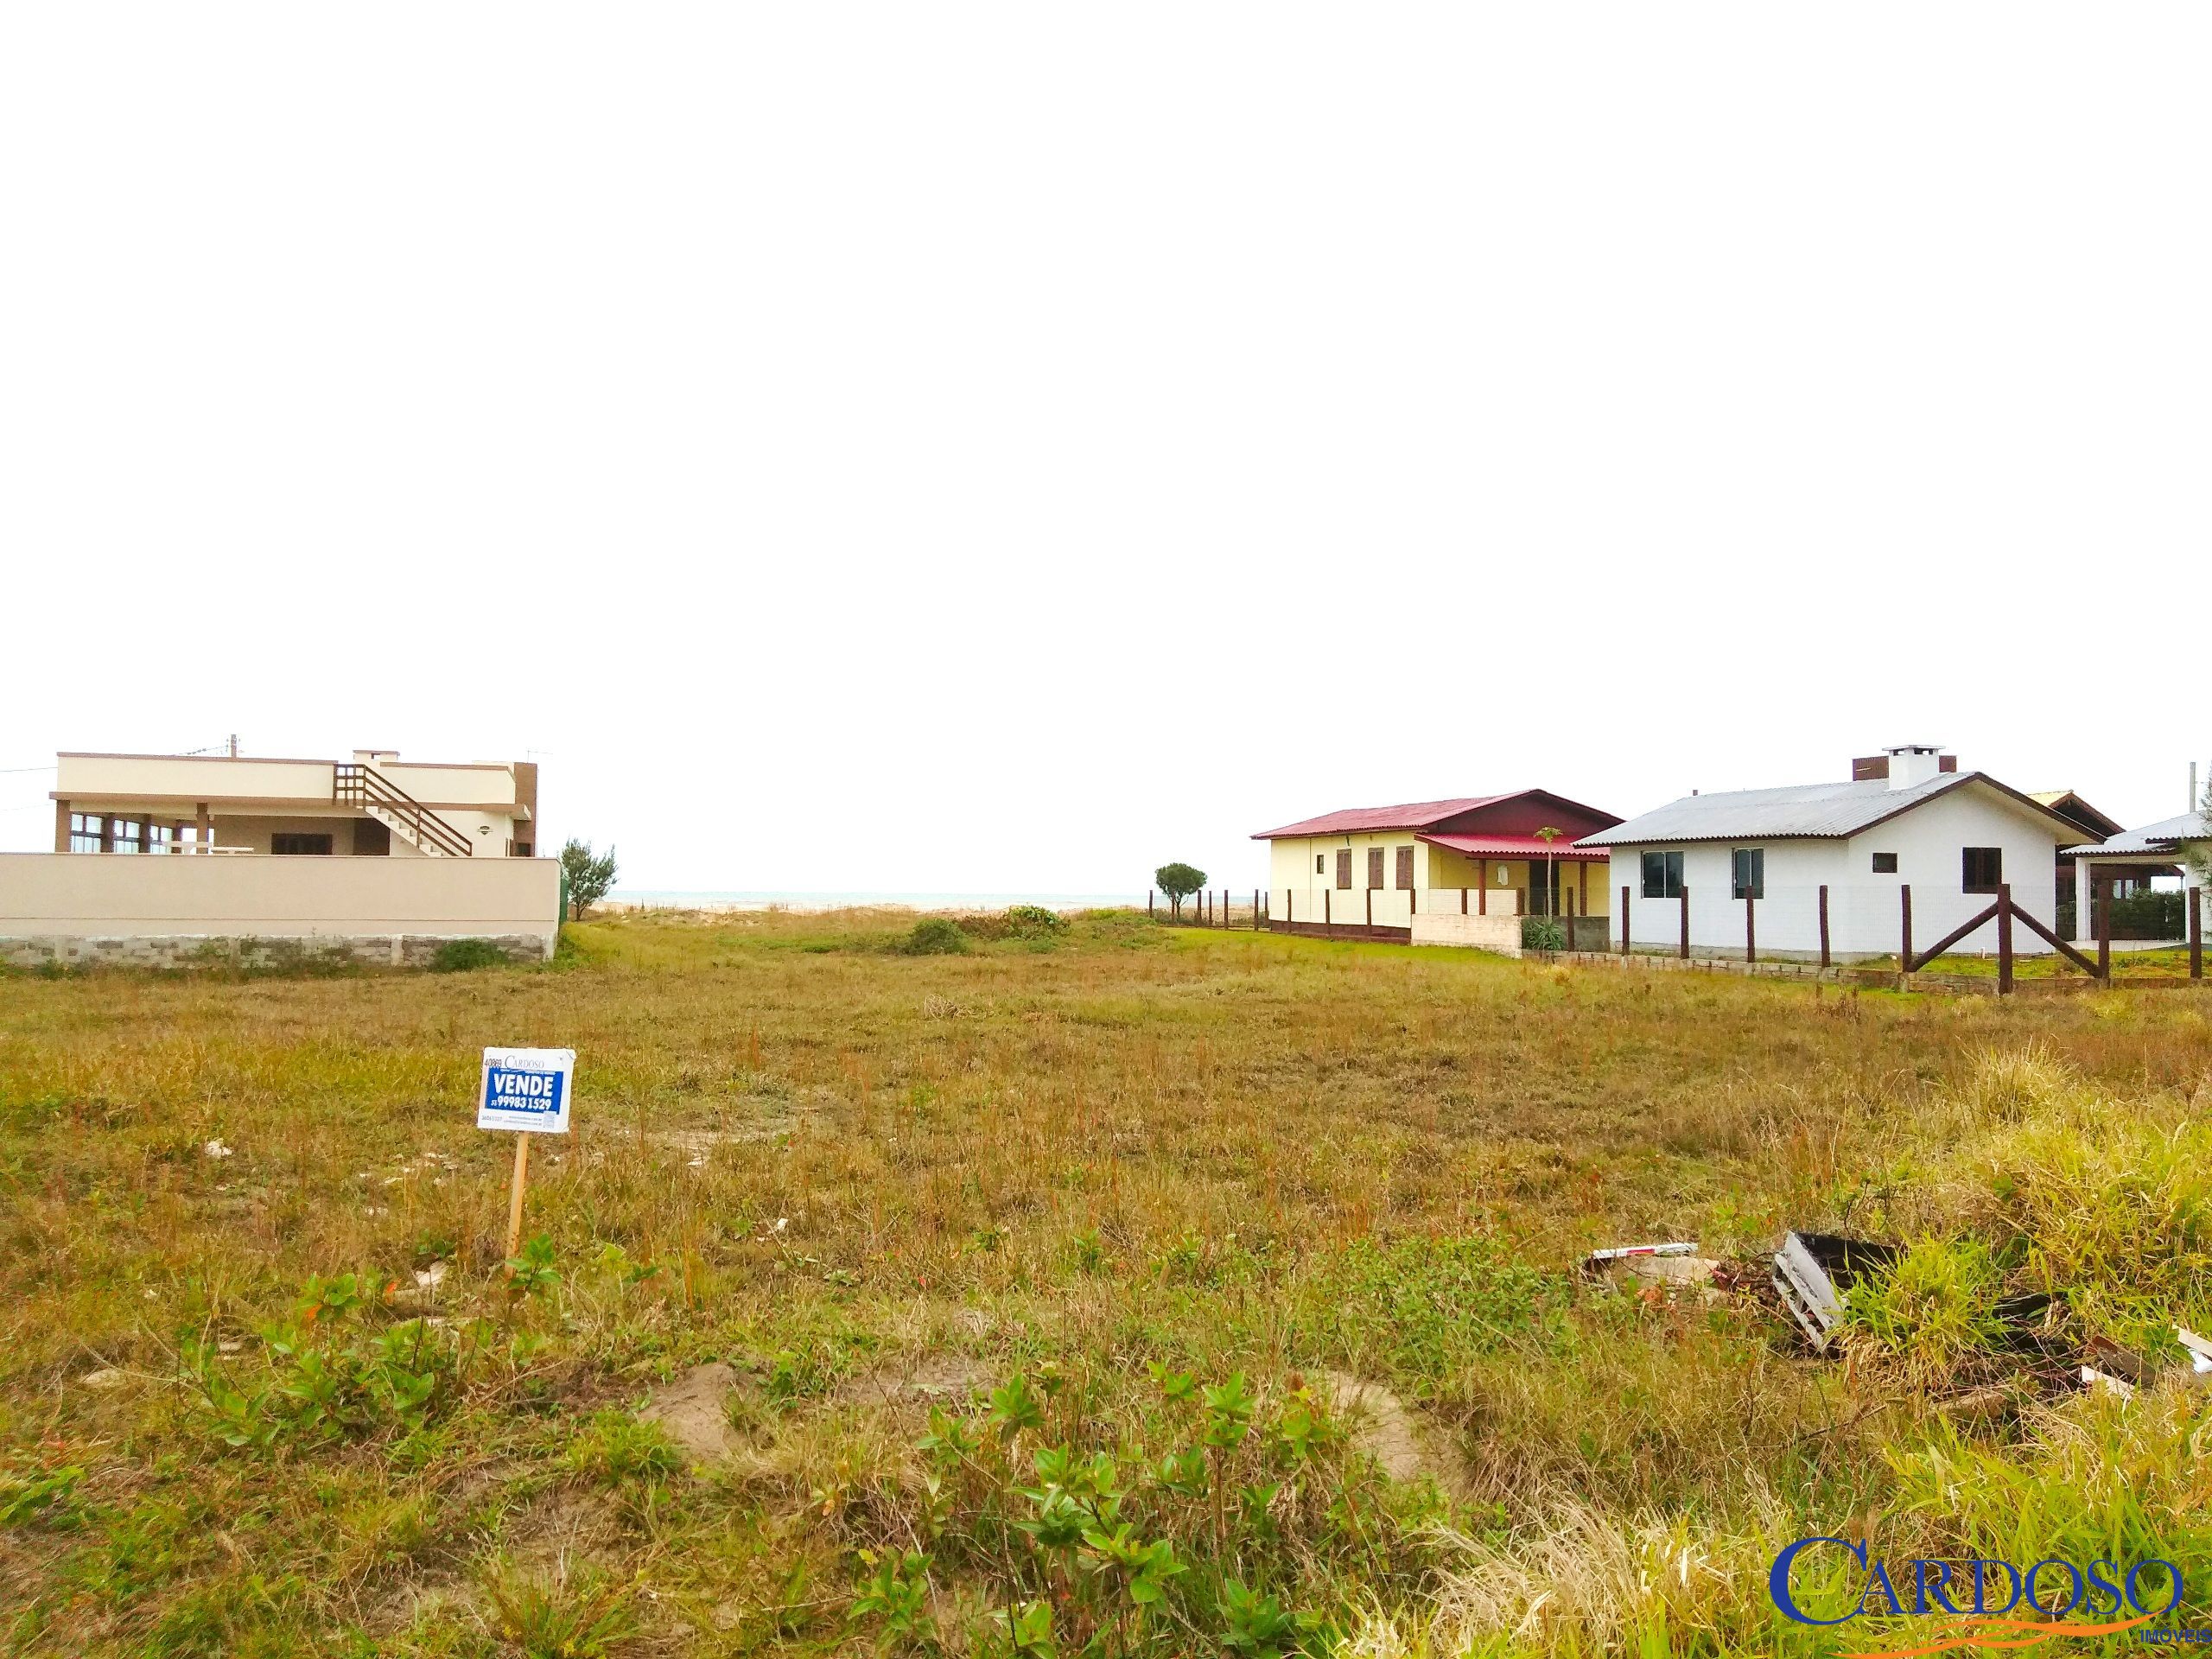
(527, 1089)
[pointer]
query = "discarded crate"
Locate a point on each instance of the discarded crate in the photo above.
(1813, 1273)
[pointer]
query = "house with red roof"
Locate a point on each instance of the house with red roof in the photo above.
(1368, 872)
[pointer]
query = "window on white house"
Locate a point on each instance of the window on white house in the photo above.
(1320, 863)
(1747, 872)
(1981, 870)
(1885, 863)
(1662, 876)
(87, 832)
(1375, 866)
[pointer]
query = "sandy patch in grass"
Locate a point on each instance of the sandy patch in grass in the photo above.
(1403, 1442)
(695, 1410)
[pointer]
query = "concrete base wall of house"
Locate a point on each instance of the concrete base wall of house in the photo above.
(1343, 930)
(261, 950)
(1499, 933)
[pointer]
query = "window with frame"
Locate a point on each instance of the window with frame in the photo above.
(126, 835)
(1343, 868)
(1885, 863)
(292, 844)
(1375, 866)
(1405, 870)
(1981, 870)
(160, 837)
(1320, 863)
(1662, 876)
(1747, 872)
(87, 832)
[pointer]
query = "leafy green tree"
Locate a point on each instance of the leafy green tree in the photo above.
(1179, 883)
(589, 879)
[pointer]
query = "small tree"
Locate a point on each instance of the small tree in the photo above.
(589, 879)
(1179, 883)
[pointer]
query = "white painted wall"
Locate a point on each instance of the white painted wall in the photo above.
(1864, 912)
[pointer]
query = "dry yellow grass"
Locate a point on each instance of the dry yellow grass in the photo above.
(872, 1183)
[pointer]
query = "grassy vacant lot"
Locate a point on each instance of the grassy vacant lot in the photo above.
(1126, 1290)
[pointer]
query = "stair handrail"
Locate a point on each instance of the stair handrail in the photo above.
(355, 784)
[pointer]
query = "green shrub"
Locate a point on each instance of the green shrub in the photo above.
(464, 955)
(1542, 933)
(935, 936)
(1034, 922)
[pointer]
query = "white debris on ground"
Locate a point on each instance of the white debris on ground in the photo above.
(216, 1149)
(106, 1378)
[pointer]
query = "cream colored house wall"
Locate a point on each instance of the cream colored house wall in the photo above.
(1298, 886)
(205, 778)
(44, 895)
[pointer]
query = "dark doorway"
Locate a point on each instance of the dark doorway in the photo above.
(371, 839)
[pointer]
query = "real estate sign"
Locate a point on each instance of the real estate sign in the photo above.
(527, 1089)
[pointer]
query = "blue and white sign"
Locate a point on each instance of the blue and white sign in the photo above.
(527, 1089)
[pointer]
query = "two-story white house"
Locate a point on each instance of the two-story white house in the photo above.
(160, 858)
(375, 805)
(1908, 819)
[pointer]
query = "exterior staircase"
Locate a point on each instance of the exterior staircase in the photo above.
(370, 792)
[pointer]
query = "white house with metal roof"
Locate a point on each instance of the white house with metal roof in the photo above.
(2186, 841)
(1908, 819)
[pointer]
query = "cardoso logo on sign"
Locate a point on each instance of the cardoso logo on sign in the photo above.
(1984, 1603)
(527, 1089)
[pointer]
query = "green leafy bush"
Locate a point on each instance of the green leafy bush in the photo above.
(1543, 933)
(1034, 922)
(935, 936)
(465, 956)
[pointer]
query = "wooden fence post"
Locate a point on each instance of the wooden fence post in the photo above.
(1904, 949)
(2197, 932)
(2004, 939)
(1751, 927)
(1370, 907)
(2103, 885)
(1463, 901)
(1824, 925)
(1686, 921)
(1255, 910)
(1624, 921)
(1482, 895)
(1328, 908)
(1147, 904)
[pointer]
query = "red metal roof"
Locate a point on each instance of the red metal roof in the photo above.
(1356, 820)
(1515, 847)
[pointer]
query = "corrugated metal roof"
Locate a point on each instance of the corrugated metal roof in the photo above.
(2162, 837)
(1803, 809)
(1507, 847)
(1356, 820)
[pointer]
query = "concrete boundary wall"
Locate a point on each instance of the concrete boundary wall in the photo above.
(49, 899)
(1499, 933)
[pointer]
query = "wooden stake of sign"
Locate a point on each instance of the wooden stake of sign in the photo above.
(514, 1199)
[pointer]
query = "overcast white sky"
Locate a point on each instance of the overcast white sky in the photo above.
(993, 448)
